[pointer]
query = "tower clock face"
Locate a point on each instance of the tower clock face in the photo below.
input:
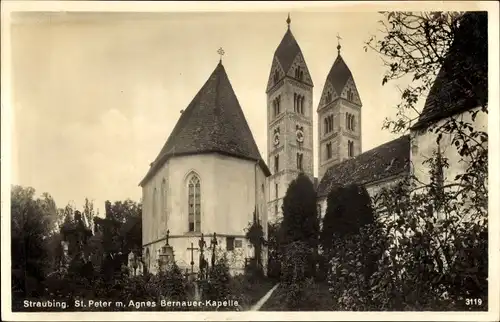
(300, 136)
(276, 139)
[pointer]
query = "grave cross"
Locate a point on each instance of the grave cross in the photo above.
(213, 242)
(192, 249)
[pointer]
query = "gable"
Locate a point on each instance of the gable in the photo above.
(276, 67)
(328, 88)
(352, 86)
(300, 62)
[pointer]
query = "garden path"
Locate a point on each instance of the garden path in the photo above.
(263, 300)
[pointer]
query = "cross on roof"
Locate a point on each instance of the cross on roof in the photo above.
(221, 53)
(338, 42)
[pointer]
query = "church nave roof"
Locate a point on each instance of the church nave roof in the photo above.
(212, 122)
(386, 160)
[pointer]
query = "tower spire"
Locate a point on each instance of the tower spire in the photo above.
(288, 20)
(338, 44)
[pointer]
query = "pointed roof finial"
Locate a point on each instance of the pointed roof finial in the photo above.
(288, 20)
(338, 43)
(221, 53)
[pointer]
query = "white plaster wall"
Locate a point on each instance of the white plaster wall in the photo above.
(424, 144)
(231, 188)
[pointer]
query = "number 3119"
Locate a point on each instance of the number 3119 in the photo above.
(473, 302)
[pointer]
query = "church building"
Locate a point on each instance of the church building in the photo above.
(208, 178)
(340, 159)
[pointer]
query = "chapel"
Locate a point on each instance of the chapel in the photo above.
(208, 178)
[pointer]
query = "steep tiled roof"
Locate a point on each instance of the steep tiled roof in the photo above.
(384, 161)
(339, 74)
(287, 50)
(212, 122)
(462, 81)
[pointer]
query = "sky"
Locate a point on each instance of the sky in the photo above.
(96, 95)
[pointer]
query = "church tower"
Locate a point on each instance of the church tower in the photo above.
(339, 117)
(289, 120)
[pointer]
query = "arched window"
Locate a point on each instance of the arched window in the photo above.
(295, 102)
(153, 202)
(302, 105)
(276, 76)
(328, 97)
(328, 151)
(164, 198)
(350, 149)
(350, 95)
(194, 204)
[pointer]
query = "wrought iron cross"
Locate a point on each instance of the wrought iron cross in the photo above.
(221, 53)
(192, 249)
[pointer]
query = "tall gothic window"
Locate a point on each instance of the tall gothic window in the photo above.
(350, 148)
(276, 76)
(194, 213)
(276, 163)
(164, 198)
(329, 151)
(276, 190)
(154, 201)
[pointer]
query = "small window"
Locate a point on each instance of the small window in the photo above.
(328, 151)
(230, 243)
(238, 243)
(350, 148)
(276, 163)
(328, 97)
(276, 210)
(276, 76)
(276, 190)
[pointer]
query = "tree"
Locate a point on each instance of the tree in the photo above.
(454, 44)
(32, 223)
(255, 235)
(273, 247)
(300, 217)
(434, 234)
(348, 209)
(300, 220)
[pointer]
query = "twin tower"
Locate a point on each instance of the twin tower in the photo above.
(290, 119)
